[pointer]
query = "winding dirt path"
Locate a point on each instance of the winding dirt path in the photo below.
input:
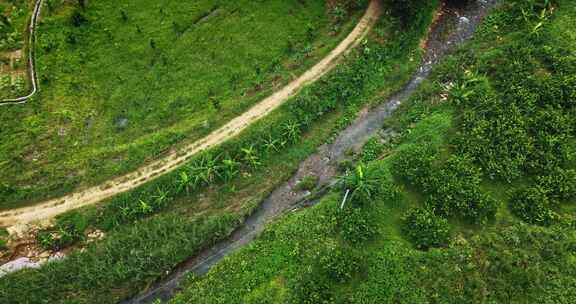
(17, 219)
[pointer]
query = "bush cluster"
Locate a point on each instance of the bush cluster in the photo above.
(533, 206)
(356, 226)
(425, 229)
(452, 187)
(338, 264)
(69, 229)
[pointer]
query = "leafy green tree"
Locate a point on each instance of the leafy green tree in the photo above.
(559, 185)
(356, 226)
(426, 230)
(533, 206)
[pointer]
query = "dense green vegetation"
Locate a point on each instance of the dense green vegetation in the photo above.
(13, 15)
(208, 187)
(13, 18)
(199, 64)
(472, 204)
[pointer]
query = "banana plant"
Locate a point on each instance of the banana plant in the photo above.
(160, 197)
(362, 186)
(250, 156)
(292, 131)
(464, 89)
(184, 182)
(144, 207)
(272, 144)
(230, 168)
(207, 170)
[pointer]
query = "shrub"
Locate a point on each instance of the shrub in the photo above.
(372, 150)
(426, 230)
(415, 165)
(338, 264)
(356, 226)
(455, 190)
(69, 229)
(559, 185)
(308, 183)
(310, 287)
(533, 206)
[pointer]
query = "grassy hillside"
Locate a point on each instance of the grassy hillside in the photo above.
(121, 82)
(153, 228)
(471, 204)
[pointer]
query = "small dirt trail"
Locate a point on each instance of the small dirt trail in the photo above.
(17, 219)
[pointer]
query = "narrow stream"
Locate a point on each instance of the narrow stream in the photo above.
(454, 26)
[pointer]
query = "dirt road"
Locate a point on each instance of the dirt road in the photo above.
(17, 219)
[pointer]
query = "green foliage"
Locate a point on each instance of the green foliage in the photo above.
(68, 229)
(560, 185)
(338, 264)
(426, 230)
(499, 263)
(363, 183)
(533, 206)
(356, 226)
(455, 190)
(102, 49)
(308, 183)
(133, 256)
(415, 164)
(372, 150)
(310, 287)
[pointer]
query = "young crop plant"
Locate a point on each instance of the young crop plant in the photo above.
(250, 156)
(363, 184)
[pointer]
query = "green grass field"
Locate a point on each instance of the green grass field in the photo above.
(122, 82)
(473, 202)
(141, 247)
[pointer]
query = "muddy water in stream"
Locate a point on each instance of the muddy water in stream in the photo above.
(454, 26)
